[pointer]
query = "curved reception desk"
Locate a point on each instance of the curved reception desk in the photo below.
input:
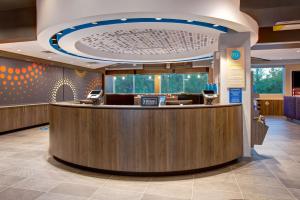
(139, 139)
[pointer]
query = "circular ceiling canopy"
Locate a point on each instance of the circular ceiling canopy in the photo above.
(138, 31)
(140, 40)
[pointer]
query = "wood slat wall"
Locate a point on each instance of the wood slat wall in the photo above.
(271, 107)
(16, 117)
(146, 140)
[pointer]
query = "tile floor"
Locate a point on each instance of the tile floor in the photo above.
(27, 172)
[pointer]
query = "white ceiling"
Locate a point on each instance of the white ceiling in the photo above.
(32, 48)
(277, 54)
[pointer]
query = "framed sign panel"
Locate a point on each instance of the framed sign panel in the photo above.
(236, 75)
(150, 101)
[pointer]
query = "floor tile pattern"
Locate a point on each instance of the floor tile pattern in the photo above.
(27, 172)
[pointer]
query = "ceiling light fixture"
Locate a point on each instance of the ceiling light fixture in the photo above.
(216, 25)
(158, 18)
(49, 57)
(59, 33)
(19, 50)
(190, 21)
(95, 23)
(123, 19)
(73, 28)
(298, 51)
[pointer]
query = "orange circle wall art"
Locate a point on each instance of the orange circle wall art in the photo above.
(18, 78)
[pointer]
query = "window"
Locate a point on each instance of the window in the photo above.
(268, 80)
(183, 83)
(146, 84)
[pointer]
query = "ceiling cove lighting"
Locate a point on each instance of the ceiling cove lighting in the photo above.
(158, 18)
(55, 44)
(94, 23)
(216, 25)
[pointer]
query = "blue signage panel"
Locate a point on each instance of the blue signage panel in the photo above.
(235, 95)
(235, 55)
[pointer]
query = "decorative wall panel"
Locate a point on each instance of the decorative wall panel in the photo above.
(28, 83)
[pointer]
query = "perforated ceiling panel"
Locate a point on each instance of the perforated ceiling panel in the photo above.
(148, 41)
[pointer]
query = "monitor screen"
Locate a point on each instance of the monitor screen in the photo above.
(208, 92)
(95, 92)
(296, 79)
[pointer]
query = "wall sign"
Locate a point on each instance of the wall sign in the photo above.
(236, 75)
(235, 54)
(235, 95)
(150, 101)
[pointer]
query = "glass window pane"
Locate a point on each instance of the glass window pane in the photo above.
(144, 84)
(123, 84)
(268, 80)
(195, 83)
(109, 84)
(172, 83)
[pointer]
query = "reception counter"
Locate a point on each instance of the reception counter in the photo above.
(139, 139)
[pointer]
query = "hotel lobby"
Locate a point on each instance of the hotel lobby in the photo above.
(149, 100)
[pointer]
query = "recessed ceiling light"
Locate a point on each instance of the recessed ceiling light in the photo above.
(19, 50)
(298, 51)
(190, 21)
(49, 57)
(123, 19)
(59, 33)
(53, 38)
(94, 23)
(73, 28)
(216, 25)
(158, 18)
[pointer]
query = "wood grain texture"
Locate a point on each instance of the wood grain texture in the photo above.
(16, 117)
(146, 140)
(271, 107)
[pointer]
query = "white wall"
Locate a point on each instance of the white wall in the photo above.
(235, 40)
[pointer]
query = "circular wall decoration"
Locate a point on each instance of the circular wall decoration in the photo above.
(235, 55)
(61, 83)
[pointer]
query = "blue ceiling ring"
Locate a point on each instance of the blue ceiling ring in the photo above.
(67, 31)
